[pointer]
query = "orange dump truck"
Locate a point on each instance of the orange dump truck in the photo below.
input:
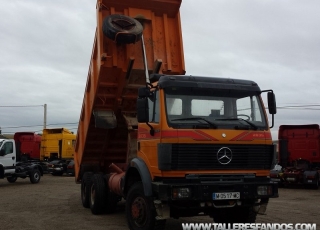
(171, 145)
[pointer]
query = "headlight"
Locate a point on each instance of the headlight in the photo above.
(181, 193)
(264, 190)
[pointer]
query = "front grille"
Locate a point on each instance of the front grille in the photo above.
(204, 157)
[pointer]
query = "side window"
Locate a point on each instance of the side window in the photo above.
(8, 148)
(73, 143)
(157, 108)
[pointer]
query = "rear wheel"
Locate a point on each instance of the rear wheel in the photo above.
(35, 176)
(316, 185)
(12, 179)
(86, 183)
(140, 210)
(98, 195)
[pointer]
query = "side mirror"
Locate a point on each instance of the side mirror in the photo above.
(142, 110)
(272, 106)
(143, 92)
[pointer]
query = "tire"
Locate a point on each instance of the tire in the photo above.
(140, 210)
(35, 176)
(86, 183)
(98, 194)
(12, 179)
(122, 29)
(316, 185)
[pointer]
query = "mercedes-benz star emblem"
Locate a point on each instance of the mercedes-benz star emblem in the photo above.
(224, 155)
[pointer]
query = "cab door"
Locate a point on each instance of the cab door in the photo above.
(8, 157)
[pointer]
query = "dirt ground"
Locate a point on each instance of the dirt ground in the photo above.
(55, 203)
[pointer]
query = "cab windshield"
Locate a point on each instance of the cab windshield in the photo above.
(210, 108)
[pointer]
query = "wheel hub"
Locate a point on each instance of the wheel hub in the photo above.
(139, 211)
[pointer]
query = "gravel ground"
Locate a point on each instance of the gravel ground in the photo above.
(55, 203)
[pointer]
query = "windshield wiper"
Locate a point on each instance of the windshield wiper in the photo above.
(239, 119)
(197, 119)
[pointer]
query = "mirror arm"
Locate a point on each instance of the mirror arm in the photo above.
(272, 121)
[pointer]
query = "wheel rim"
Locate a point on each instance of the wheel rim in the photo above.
(139, 211)
(36, 176)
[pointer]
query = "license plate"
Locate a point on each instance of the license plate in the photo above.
(278, 180)
(309, 181)
(226, 196)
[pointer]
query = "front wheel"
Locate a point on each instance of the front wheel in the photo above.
(35, 176)
(12, 179)
(140, 210)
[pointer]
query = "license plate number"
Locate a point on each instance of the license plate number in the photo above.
(226, 196)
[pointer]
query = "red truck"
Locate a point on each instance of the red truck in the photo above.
(299, 155)
(28, 145)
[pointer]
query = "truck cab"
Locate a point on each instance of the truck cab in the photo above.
(7, 156)
(11, 169)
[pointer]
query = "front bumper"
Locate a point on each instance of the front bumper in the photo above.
(244, 193)
(204, 190)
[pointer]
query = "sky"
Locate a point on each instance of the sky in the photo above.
(45, 50)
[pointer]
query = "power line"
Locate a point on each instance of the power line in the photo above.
(16, 106)
(24, 126)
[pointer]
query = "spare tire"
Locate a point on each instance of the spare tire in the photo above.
(122, 29)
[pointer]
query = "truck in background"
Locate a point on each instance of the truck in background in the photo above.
(57, 148)
(11, 169)
(28, 146)
(299, 155)
(171, 145)
(57, 143)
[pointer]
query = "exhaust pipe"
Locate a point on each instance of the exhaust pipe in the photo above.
(115, 180)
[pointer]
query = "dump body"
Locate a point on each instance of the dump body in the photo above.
(117, 71)
(202, 144)
(28, 145)
(299, 154)
(57, 143)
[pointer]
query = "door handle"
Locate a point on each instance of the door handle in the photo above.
(13, 158)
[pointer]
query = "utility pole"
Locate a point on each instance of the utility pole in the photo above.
(45, 117)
